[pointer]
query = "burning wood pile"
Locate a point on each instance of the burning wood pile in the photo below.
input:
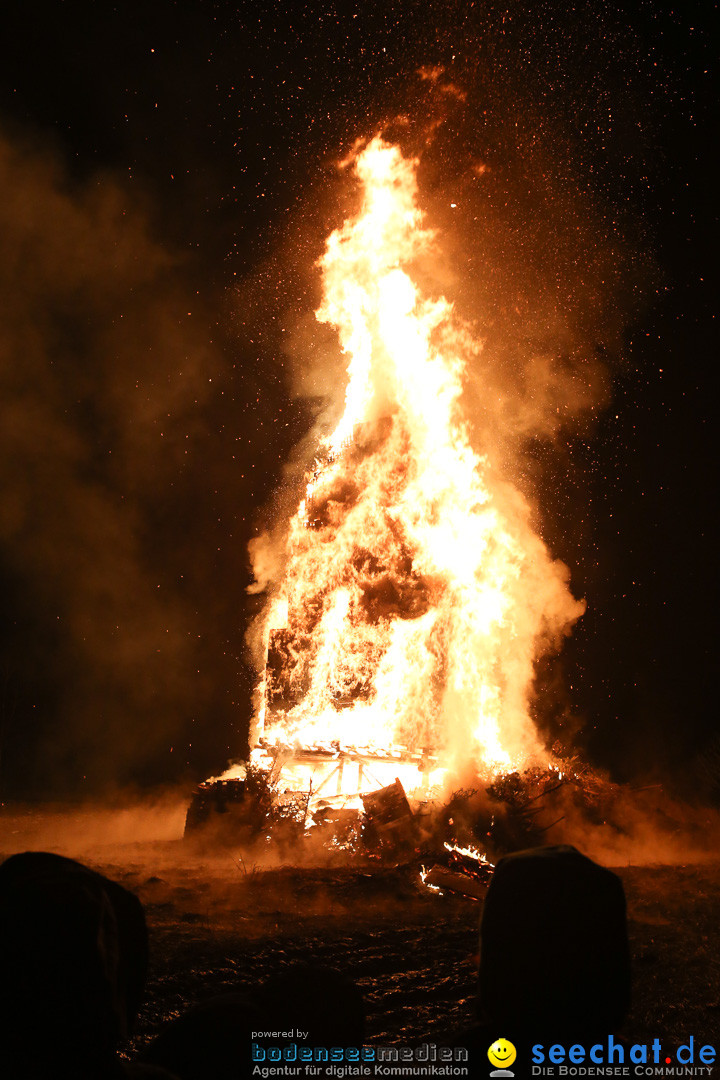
(253, 809)
(407, 598)
(450, 846)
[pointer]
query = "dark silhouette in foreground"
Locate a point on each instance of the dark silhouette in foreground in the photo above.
(554, 954)
(319, 1000)
(554, 951)
(73, 962)
(213, 1041)
(554, 967)
(210, 1041)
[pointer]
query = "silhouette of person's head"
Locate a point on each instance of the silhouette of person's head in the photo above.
(208, 1042)
(319, 1000)
(73, 960)
(554, 953)
(212, 1041)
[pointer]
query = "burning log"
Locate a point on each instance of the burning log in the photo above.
(470, 862)
(468, 873)
(442, 880)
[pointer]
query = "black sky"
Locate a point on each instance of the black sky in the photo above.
(167, 181)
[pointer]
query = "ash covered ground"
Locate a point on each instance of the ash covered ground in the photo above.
(225, 919)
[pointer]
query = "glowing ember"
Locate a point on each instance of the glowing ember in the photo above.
(415, 595)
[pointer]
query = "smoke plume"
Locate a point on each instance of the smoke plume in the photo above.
(106, 369)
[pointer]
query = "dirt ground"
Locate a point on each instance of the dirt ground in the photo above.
(226, 919)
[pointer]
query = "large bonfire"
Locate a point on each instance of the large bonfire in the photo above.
(415, 595)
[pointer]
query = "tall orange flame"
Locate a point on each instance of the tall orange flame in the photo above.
(415, 595)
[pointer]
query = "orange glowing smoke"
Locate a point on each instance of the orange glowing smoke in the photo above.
(414, 596)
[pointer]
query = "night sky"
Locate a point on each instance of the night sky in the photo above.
(167, 179)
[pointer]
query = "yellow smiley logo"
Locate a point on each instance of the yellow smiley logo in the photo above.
(502, 1053)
